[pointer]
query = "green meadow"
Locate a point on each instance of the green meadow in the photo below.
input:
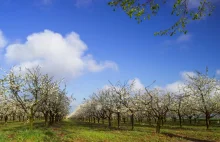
(76, 131)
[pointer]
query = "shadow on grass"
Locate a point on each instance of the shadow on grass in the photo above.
(177, 127)
(104, 127)
(21, 126)
(186, 138)
(138, 127)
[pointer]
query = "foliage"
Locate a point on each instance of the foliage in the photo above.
(197, 98)
(145, 9)
(29, 94)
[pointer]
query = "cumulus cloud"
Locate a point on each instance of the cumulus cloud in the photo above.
(185, 75)
(174, 87)
(137, 84)
(218, 72)
(180, 41)
(171, 87)
(58, 55)
(177, 85)
(184, 38)
(3, 41)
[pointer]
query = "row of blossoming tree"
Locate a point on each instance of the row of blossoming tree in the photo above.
(26, 95)
(198, 98)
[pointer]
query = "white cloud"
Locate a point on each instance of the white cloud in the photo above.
(184, 38)
(62, 56)
(3, 41)
(137, 84)
(196, 3)
(174, 87)
(94, 67)
(185, 75)
(181, 41)
(218, 72)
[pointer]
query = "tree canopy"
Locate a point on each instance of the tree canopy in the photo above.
(145, 9)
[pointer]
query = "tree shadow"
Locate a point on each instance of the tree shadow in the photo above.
(169, 127)
(105, 127)
(21, 126)
(186, 138)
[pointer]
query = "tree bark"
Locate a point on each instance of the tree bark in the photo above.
(124, 120)
(31, 118)
(94, 119)
(119, 118)
(132, 121)
(13, 117)
(103, 121)
(109, 120)
(46, 119)
(190, 120)
(207, 120)
(180, 120)
(158, 124)
(149, 121)
(6, 118)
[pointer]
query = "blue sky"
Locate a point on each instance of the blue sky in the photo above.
(111, 46)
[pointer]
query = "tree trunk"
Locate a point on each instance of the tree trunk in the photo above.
(103, 121)
(190, 120)
(94, 119)
(13, 117)
(180, 120)
(158, 124)
(132, 121)
(174, 119)
(46, 119)
(207, 120)
(6, 118)
(31, 118)
(124, 120)
(195, 120)
(56, 118)
(109, 120)
(119, 118)
(149, 121)
(52, 118)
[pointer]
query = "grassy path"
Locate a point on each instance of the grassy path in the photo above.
(71, 131)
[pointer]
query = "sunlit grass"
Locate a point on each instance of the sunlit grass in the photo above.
(71, 131)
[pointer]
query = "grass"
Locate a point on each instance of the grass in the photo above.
(74, 131)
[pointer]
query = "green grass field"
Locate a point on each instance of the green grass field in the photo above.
(72, 131)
